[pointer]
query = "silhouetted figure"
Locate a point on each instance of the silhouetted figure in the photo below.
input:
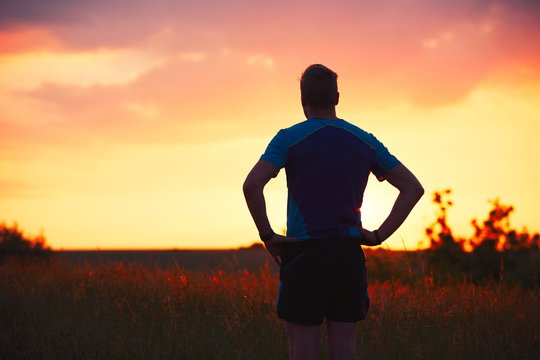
(322, 265)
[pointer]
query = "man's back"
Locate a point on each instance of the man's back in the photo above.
(327, 164)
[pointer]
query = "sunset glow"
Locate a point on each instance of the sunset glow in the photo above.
(133, 124)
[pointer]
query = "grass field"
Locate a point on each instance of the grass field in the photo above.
(126, 310)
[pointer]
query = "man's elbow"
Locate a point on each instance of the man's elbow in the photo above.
(413, 189)
(250, 187)
(418, 190)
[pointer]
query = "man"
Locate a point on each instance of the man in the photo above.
(322, 266)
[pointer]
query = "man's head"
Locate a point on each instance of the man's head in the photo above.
(318, 87)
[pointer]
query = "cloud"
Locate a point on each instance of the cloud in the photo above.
(190, 97)
(262, 60)
(27, 39)
(428, 53)
(86, 68)
(148, 110)
(17, 189)
(192, 56)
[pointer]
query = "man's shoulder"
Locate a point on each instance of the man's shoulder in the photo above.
(298, 126)
(299, 131)
(356, 130)
(362, 134)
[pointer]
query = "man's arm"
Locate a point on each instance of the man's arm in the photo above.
(410, 191)
(253, 188)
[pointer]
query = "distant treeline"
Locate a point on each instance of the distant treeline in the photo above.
(495, 252)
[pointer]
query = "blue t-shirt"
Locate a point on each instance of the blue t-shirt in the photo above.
(327, 163)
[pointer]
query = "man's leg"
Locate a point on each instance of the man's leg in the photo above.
(304, 341)
(342, 340)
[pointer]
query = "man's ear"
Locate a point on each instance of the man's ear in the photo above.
(337, 98)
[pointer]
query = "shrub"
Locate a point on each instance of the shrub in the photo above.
(13, 242)
(496, 251)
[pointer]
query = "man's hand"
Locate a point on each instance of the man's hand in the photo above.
(275, 246)
(369, 238)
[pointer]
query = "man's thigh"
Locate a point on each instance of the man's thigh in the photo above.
(304, 285)
(349, 300)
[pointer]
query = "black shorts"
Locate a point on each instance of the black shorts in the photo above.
(323, 278)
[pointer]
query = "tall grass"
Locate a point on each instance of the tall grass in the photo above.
(62, 310)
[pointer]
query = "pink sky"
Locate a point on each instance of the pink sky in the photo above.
(133, 124)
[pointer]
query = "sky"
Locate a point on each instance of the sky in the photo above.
(133, 124)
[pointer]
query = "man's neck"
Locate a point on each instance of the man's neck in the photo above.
(329, 114)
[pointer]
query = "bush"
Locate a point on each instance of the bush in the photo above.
(496, 251)
(13, 242)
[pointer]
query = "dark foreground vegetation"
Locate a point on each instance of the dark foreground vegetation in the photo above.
(66, 310)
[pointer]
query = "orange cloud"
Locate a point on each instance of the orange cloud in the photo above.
(27, 39)
(428, 53)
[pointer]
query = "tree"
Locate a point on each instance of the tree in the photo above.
(439, 232)
(14, 242)
(495, 232)
(496, 251)
(445, 253)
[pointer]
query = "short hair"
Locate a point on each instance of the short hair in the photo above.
(318, 86)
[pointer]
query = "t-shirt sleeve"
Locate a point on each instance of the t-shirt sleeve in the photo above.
(276, 151)
(384, 160)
